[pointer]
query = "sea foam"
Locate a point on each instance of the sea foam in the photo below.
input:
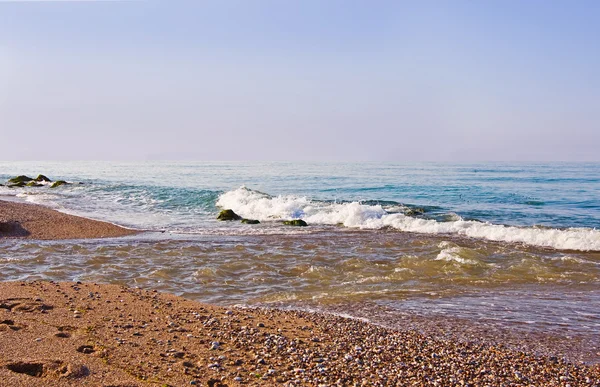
(264, 207)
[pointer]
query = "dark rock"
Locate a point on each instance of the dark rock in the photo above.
(20, 179)
(58, 183)
(228, 215)
(295, 222)
(15, 185)
(250, 221)
(33, 183)
(42, 178)
(414, 211)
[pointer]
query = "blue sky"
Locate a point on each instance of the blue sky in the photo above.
(300, 80)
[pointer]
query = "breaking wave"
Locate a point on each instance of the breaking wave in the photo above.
(264, 207)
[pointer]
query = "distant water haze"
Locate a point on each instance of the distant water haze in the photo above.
(310, 80)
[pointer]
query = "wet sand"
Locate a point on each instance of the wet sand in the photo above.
(22, 220)
(71, 334)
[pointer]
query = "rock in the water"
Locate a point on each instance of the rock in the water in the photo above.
(295, 222)
(33, 183)
(414, 211)
(42, 178)
(20, 179)
(228, 215)
(15, 185)
(58, 183)
(250, 221)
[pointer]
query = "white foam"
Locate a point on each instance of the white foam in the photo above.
(256, 205)
(452, 254)
(568, 239)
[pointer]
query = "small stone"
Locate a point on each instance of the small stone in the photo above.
(228, 215)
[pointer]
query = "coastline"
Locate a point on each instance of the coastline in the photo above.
(32, 221)
(72, 333)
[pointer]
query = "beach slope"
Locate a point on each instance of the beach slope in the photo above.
(71, 334)
(22, 220)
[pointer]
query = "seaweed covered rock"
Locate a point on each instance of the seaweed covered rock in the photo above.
(33, 183)
(250, 221)
(228, 215)
(16, 185)
(20, 179)
(42, 178)
(58, 183)
(295, 222)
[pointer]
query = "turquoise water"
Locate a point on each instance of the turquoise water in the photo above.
(185, 197)
(509, 244)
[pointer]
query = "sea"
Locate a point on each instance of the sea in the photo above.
(510, 247)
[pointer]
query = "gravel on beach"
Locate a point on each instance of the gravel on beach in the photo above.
(74, 334)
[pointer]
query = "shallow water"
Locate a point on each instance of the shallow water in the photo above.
(504, 285)
(510, 246)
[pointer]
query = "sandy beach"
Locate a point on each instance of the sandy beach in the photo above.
(22, 220)
(73, 334)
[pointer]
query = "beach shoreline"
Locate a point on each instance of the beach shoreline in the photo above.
(69, 333)
(64, 333)
(32, 221)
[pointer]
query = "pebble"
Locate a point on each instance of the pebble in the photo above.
(347, 353)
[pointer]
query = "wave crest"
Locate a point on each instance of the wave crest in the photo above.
(258, 205)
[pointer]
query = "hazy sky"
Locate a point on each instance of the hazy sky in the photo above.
(300, 80)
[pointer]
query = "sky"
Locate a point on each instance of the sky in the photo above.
(310, 80)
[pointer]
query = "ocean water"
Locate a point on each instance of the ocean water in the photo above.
(515, 245)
